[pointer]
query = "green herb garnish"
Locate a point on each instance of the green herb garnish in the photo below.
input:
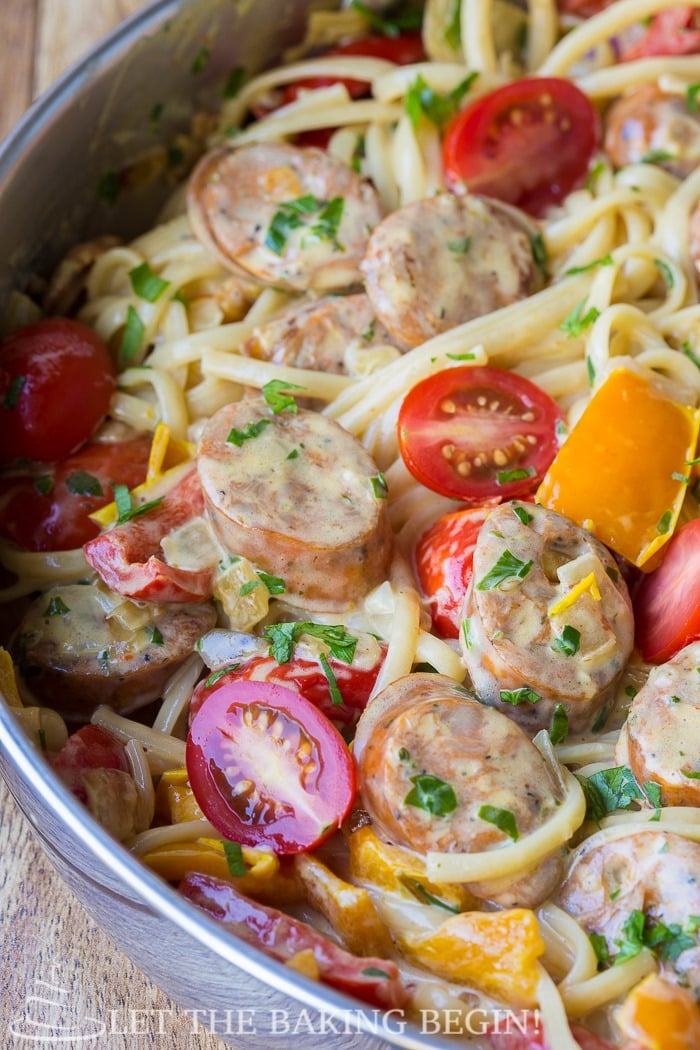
(503, 819)
(134, 331)
(283, 637)
(251, 430)
(507, 567)
(13, 391)
(56, 607)
(431, 794)
(80, 483)
(568, 642)
(147, 284)
(277, 399)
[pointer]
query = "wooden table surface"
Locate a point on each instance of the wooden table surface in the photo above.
(45, 935)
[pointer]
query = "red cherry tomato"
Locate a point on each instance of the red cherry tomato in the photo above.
(402, 49)
(527, 143)
(307, 677)
(444, 556)
(478, 434)
(50, 511)
(667, 602)
(56, 382)
(92, 747)
(508, 1036)
(267, 767)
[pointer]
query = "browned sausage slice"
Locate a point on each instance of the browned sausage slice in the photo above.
(649, 125)
(74, 654)
(292, 217)
(294, 494)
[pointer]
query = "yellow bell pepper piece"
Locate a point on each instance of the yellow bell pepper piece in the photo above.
(175, 801)
(305, 962)
(349, 909)
(496, 952)
(588, 583)
(398, 870)
(615, 472)
(8, 681)
(166, 454)
(264, 880)
(658, 1015)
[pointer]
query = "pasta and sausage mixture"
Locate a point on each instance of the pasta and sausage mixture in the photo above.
(354, 540)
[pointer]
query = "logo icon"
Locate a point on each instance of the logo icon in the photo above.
(48, 1017)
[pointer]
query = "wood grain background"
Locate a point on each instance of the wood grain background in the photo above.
(45, 935)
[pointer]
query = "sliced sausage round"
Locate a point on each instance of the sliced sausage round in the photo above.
(430, 757)
(437, 263)
(649, 125)
(74, 654)
(292, 217)
(658, 739)
(318, 334)
(294, 493)
(547, 618)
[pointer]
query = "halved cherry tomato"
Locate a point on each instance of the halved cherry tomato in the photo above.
(50, 511)
(369, 978)
(527, 143)
(308, 678)
(267, 767)
(478, 434)
(56, 382)
(402, 49)
(667, 602)
(444, 556)
(91, 747)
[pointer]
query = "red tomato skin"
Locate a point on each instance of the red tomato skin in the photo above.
(425, 428)
(443, 558)
(507, 1035)
(403, 49)
(91, 747)
(59, 520)
(671, 32)
(667, 601)
(373, 980)
(307, 678)
(66, 378)
(532, 163)
(228, 723)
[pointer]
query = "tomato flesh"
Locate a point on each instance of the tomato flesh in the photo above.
(478, 434)
(267, 767)
(667, 602)
(444, 556)
(91, 747)
(527, 143)
(50, 511)
(56, 382)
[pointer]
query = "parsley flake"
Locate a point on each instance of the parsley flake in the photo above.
(419, 890)
(234, 859)
(147, 284)
(274, 584)
(503, 477)
(568, 642)
(56, 607)
(277, 399)
(247, 587)
(251, 430)
(559, 728)
(433, 795)
(605, 260)
(523, 695)
(503, 819)
(664, 523)
(214, 678)
(460, 246)
(125, 509)
(577, 322)
(521, 513)
(379, 486)
(132, 339)
(13, 391)
(283, 637)
(507, 567)
(80, 483)
(200, 60)
(335, 693)
(156, 636)
(234, 82)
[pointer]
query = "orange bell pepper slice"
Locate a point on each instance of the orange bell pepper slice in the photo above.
(621, 471)
(659, 1015)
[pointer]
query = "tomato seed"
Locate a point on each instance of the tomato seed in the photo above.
(499, 457)
(448, 451)
(464, 468)
(527, 417)
(448, 406)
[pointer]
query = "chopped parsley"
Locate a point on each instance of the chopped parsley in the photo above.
(277, 399)
(568, 642)
(539, 252)
(274, 584)
(691, 774)
(214, 678)
(577, 322)
(422, 100)
(283, 637)
(523, 695)
(666, 941)
(290, 216)
(388, 27)
(467, 633)
(132, 339)
(460, 246)
(251, 430)
(597, 169)
(503, 477)
(156, 636)
(507, 567)
(664, 522)
(247, 587)
(609, 790)
(600, 947)
(559, 728)
(125, 509)
(80, 483)
(234, 82)
(333, 688)
(43, 484)
(234, 859)
(379, 486)
(420, 891)
(56, 607)
(688, 351)
(605, 260)
(108, 186)
(656, 156)
(200, 60)
(521, 513)
(453, 31)
(433, 795)
(147, 284)
(374, 971)
(13, 391)
(503, 819)
(666, 272)
(466, 356)
(691, 97)
(590, 369)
